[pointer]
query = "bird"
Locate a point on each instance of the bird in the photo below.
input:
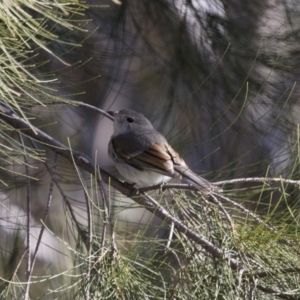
(144, 157)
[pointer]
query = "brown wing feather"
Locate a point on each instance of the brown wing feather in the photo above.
(156, 159)
(153, 156)
(177, 160)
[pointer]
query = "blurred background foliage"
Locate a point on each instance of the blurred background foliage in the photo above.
(218, 78)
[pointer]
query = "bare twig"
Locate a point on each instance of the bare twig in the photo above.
(82, 104)
(282, 271)
(259, 179)
(277, 293)
(89, 243)
(186, 186)
(114, 248)
(106, 207)
(171, 233)
(226, 214)
(28, 200)
(39, 240)
(244, 210)
(163, 187)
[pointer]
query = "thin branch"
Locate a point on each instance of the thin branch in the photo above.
(106, 207)
(244, 210)
(171, 233)
(190, 187)
(165, 186)
(277, 293)
(259, 179)
(114, 248)
(89, 242)
(28, 200)
(226, 214)
(271, 273)
(49, 200)
(82, 104)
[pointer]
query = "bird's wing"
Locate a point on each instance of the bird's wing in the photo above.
(152, 154)
(157, 156)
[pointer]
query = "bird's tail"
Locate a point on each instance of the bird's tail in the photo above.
(203, 184)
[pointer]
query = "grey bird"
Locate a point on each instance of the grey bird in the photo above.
(143, 156)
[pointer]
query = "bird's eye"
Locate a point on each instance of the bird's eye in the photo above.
(130, 120)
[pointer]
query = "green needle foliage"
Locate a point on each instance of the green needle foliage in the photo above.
(26, 27)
